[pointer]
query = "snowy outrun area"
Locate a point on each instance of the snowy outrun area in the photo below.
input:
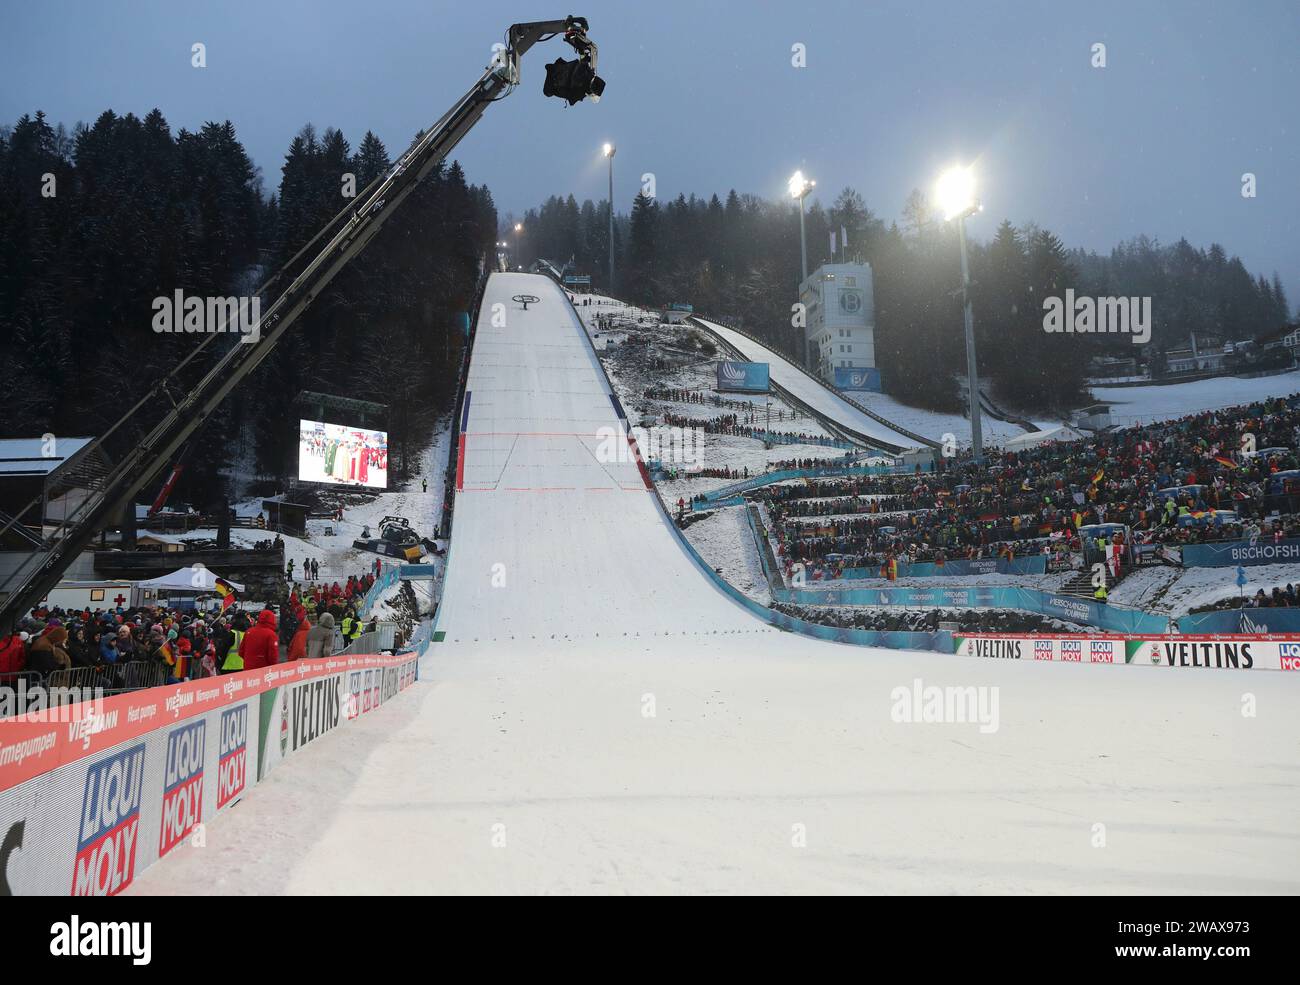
(524, 761)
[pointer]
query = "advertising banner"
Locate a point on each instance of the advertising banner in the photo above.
(1061, 649)
(742, 377)
(98, 791)
(1234, 552)
(867, 378)
(1222, 652)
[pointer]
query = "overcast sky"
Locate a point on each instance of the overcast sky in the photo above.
(703, 95)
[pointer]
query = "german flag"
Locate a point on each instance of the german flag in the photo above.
(1227, 463)
(226, 591)
(1101, 474)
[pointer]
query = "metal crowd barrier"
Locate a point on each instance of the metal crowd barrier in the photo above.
(383, 638)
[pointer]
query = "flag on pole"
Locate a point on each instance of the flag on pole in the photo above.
(844, 237)
(226, 591)
(832, 243)
(1225, 462)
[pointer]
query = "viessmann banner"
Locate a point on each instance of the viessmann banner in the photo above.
(87, 803)
(742, 377)
(1208, 652)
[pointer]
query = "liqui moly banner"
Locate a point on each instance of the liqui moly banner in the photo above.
(94, 793)
(742, 377)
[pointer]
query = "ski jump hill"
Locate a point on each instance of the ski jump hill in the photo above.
(832, 408)
(601, 718)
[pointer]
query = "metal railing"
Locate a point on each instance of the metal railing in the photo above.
(383, 638)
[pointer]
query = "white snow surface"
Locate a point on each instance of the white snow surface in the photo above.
(607, 722)
(546, 746)
(1175, 592)
(1145, 404)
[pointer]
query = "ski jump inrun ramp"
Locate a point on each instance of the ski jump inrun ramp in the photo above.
(557, 528)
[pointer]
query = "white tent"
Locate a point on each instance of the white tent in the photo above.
(195, 579)
(1033, 438)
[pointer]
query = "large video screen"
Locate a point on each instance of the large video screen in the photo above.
(342, 455)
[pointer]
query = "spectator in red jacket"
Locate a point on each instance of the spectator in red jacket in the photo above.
(298, 645)
(261, 646)
(13, 653)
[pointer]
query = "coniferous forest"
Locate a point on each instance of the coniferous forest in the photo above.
(97, 222)
(738, 258)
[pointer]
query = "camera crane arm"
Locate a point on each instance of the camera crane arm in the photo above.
(299, 283)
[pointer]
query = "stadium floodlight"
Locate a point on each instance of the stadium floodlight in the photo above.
(955, 195)
(609, 150)
(799, 188)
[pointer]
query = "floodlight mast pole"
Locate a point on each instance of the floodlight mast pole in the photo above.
(610, 151)
(972, 370)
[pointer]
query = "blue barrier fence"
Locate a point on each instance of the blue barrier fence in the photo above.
(1033, 565)
(1231, 621)
(1232, 553)
(388, 577)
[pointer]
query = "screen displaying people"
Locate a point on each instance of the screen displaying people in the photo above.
(342, 455)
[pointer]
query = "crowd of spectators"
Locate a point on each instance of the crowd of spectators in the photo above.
(1037, 500)
(127, 647)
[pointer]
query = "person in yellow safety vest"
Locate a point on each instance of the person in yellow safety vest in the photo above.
(233, 660)
(348, 620)
(1100, 594)
(358, 627)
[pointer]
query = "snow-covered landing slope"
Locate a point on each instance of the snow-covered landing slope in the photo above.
(554, 536)
(772, 765)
